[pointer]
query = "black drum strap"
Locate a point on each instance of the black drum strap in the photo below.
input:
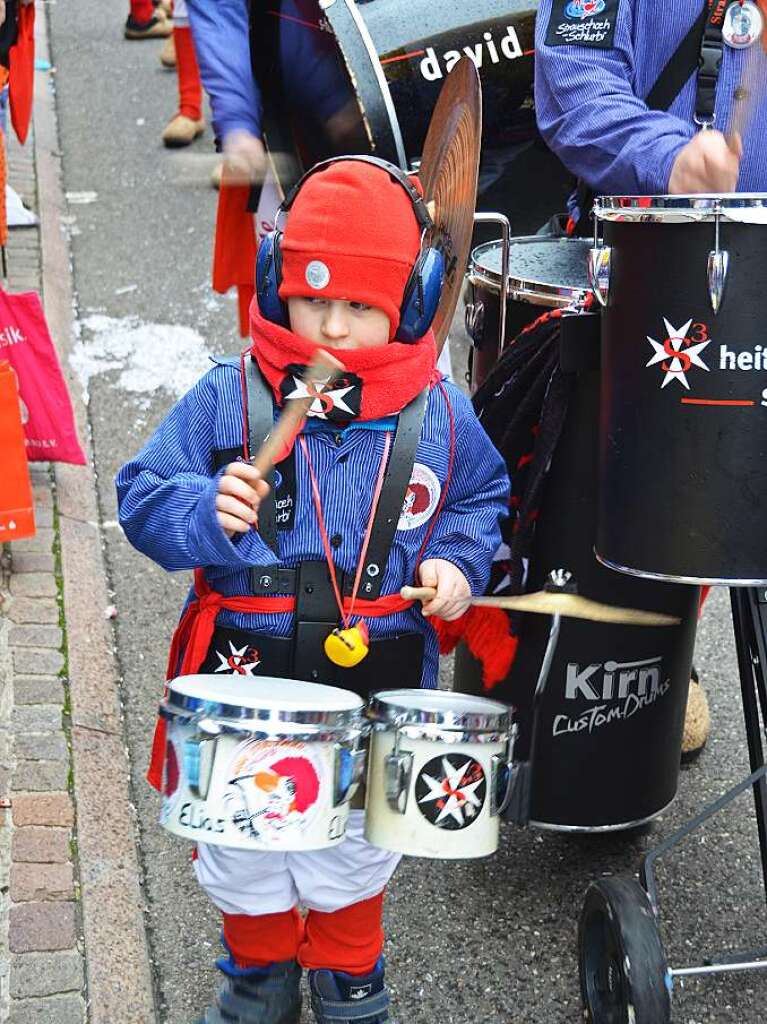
(260, 414)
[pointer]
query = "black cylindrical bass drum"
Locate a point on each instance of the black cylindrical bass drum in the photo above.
(611, 719)
(343, 77)
(683, 445)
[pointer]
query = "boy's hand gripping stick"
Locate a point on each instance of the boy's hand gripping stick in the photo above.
(323, 369)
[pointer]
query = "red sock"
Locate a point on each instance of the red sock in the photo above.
(141, 10)
(189, 86)
(257, 941)
(349, 940)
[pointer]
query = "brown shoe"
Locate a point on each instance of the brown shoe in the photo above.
(182, 131)
(217, 174)
(697, 722)
(155, 28)
(168, 53)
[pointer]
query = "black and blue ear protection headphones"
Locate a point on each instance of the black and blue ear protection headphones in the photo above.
(420, 298)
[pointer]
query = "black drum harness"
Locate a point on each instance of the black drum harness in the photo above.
(302, 656)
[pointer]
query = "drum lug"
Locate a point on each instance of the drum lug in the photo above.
(599, 272)
(502, 775)
(474, 319)
(398, 769)
(200, 756)
(718, 266)
(349, 769)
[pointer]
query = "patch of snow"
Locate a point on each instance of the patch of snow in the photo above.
(148, 356)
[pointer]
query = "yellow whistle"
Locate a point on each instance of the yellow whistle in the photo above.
(347, 647)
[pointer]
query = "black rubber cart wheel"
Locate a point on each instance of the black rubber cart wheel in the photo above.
(624, 975)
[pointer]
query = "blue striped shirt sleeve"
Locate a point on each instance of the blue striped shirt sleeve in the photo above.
(167, 493)
(591, 116)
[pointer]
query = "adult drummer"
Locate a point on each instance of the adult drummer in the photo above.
(598, 62)
(621, 101)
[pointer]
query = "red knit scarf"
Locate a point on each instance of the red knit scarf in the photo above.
(377, 382)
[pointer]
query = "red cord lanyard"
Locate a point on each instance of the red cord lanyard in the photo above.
(346, 619)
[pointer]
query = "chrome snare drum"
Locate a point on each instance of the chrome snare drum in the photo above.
(270, 764)
(543, 274)
(438, 772)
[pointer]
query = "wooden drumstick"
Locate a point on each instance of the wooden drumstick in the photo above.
(324, 368)
(545, 602)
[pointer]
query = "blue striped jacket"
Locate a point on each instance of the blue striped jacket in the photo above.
(166, 498)
(590, 102)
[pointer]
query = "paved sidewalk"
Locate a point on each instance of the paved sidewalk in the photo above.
(72, 940)
(43, 976)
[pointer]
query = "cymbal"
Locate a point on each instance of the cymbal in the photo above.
(448, 173)
(545, 602)
(573, 606)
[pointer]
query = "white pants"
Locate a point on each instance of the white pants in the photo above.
(252, 882)
(180, 14)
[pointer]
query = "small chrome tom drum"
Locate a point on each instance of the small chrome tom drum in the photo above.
(438, 772)
(270, 764)
(544, 273)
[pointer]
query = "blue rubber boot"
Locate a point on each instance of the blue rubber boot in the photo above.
(339, 998)
(257, 995)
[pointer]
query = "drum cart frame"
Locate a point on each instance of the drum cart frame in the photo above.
(624, 974)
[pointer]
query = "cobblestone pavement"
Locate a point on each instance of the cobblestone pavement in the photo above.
(41, 951)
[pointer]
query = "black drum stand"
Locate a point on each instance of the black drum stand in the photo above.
(624, 974)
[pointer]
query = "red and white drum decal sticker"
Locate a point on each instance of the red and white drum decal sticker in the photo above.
(171, 777)
(450, 791)
(421, 498)
(242, 661)
(272, 787)
(680, 351)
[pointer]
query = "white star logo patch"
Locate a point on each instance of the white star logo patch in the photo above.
(237, 661)
(459, 800)
(676, 360)
(325, 398)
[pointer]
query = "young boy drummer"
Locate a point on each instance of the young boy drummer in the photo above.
(278, 568)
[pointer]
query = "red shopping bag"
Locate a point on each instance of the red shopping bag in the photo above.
(17, 517)
(49, 425)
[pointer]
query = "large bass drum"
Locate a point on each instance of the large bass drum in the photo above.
(363, 77)
(611, 718)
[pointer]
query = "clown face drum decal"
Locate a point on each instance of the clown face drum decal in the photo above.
(260, 763)
(439, 762)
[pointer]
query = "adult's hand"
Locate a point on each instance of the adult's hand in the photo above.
(244, 158)
(710, 162)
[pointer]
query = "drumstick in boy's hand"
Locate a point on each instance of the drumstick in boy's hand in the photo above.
(323, 369)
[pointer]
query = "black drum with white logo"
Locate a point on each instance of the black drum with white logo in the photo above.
(611, 719)
(683, 440)
(348, 77)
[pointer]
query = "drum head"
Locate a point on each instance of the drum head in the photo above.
(441, 707)
(543, 271)
(265, 692)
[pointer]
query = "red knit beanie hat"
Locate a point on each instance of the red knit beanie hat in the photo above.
(351, 233)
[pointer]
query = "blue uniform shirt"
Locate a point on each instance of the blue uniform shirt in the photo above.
(590, 100)
(167, 494)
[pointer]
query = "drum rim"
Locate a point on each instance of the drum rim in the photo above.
(384, 711)
(526, 289)
(188, 706)
(665, 208)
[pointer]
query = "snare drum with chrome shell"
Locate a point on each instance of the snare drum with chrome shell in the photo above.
(544, 274)
(438, 773)
(270, 764)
